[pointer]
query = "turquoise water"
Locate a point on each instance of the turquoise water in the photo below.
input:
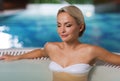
(35, 30)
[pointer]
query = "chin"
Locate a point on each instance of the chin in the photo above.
(65, 40)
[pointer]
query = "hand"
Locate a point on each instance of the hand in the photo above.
(9, 57)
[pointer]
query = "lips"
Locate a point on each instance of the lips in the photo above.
(63, 36)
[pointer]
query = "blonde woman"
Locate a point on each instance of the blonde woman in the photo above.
(71, 60)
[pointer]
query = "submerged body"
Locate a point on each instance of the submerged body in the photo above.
(63, 76)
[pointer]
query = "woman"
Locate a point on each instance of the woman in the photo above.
(71, 60)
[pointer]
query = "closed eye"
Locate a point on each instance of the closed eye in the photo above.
(58, 26)
(69, 25)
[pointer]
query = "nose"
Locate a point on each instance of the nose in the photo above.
(63, 29)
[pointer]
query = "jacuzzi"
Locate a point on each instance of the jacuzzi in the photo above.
(37, 69)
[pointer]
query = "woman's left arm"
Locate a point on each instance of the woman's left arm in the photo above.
(106, 56)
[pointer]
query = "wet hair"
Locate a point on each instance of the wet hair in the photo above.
(76, 13)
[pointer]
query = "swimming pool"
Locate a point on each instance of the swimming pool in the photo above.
(32, 29)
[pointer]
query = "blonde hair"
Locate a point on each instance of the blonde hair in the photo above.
(76, 13)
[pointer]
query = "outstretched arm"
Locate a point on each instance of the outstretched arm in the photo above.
(37, 53)
(106, 56)
(32, 54)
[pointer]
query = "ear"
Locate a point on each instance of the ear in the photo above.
(81, 27)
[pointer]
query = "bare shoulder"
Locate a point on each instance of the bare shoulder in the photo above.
(52, 45)
(94, 50)
(51, 48)
(99, 50)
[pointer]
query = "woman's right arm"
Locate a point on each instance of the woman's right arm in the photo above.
(30, 55)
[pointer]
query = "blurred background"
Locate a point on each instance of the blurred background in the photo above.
(32, 23)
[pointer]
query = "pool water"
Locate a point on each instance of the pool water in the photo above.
(25, 70)
(34, 30)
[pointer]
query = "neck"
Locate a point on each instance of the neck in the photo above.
(71, 44)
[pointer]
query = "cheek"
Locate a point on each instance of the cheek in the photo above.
(69, 30)
(73, 31)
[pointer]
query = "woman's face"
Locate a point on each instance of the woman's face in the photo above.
(67, 29)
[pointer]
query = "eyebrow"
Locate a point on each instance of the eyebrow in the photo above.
(64, 23)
